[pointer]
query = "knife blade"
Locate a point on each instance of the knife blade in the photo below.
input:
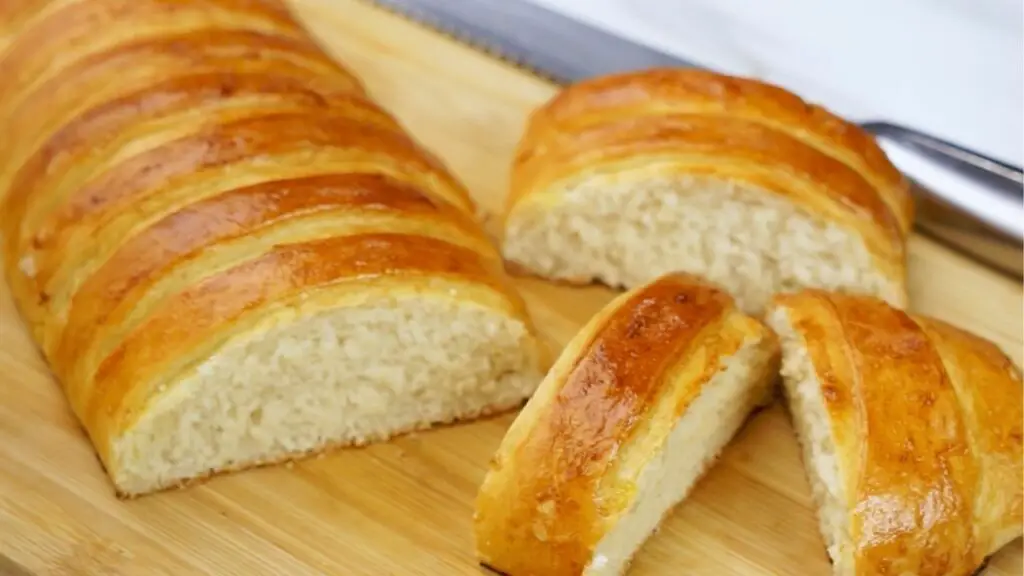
(966, 200)
(545, 43)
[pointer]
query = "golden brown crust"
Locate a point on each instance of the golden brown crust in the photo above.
(258, 139)
(73, 23)
(85, 140)
(904, 396)
(552, 489)
(189, 53)
(691, 92)
(182, 71)
(989, 388)
(159, 72)
(186, 169)
(172, 171)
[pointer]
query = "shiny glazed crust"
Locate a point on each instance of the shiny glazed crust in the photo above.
(566, 468)
(927, 424)
(173, 170)
(716, 125)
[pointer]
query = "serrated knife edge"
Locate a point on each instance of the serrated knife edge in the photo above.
(425, 22)
(526, 36)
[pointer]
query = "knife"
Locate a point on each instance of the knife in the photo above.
(966, 200)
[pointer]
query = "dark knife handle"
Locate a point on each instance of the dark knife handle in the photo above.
(965, 199)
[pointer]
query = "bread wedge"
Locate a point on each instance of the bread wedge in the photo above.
(636, 408)
(622, 178)
(228, 253)
(911, 431)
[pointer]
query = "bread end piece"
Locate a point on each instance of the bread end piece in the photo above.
(634, 411)
(341, 377)
(911, 431)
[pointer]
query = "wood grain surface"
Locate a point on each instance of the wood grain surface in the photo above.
(404, 508)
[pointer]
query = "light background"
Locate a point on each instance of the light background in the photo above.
(954, 68)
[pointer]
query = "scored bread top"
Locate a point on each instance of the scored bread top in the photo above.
(567, 467)
(700, 97)
(173, 172)
(927, 425)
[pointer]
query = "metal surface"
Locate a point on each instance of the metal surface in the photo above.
(968, 201)
(546, 43)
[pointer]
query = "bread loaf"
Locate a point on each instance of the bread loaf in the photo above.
(626, 177)
(911, 430)
(227, 251)
(635, 409)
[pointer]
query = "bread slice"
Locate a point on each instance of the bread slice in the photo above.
(634, 411)
(911, 432)
(228, 253)
(624, 178)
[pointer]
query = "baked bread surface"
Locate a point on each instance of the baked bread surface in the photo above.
(183, 182)
(571, 469)
(923, 425)
(691, 92)
(651, 140)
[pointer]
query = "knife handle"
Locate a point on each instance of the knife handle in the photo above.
(966, 199)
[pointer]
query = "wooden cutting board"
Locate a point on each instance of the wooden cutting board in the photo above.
(404, 508)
